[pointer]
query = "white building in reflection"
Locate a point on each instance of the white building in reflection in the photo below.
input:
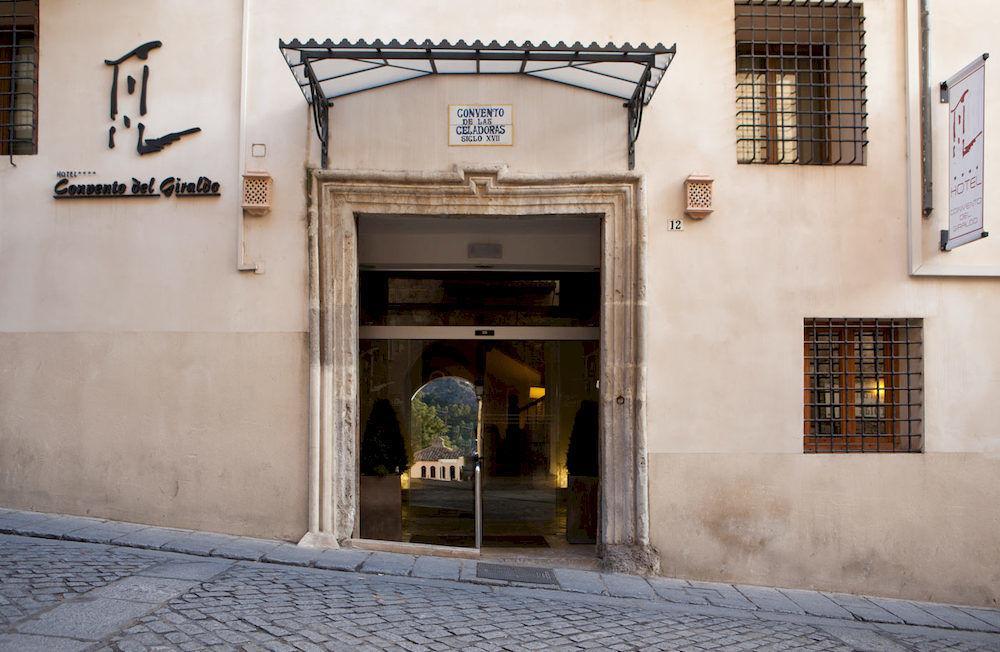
(437, 462)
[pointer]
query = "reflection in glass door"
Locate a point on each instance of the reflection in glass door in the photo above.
(525, 409)
(431, 387)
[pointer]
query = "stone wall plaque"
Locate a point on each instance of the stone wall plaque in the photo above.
(480, 125)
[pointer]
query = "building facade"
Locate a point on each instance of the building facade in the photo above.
(206, 280)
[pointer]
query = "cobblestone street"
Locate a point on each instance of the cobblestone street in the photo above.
(63, 595)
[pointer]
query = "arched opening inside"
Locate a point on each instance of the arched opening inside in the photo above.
(443, 413)
(442, 437)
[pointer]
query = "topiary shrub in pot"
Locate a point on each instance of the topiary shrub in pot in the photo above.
(582, 469)
(383, 460)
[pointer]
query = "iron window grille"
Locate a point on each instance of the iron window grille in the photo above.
(18, 77)
(863, 386)
(800, 82)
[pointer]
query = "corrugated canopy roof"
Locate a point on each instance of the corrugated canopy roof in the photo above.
(335, 69)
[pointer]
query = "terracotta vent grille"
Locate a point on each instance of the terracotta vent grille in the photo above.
(698, 193)
(257, 192)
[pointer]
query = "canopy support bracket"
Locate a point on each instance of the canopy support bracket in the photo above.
(635, 106)
(320, 108)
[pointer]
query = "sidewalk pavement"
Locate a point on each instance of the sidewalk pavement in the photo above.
(791, 605)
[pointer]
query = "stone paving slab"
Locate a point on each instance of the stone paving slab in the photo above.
(33, 643)
(992, 617)
(793, 602)
(908, 612)
(437, 568)
(387, 563)
(143, 589)
(105, 532)
(956, 617)
(628, 586)
(817, 604)
(197, 543)
(673, 590)
(863, 609)
(343, 559)
(17, 522)
(57, 527)
(187, 570)
(292, 555)
(89, 620)
(246, 548)
(151, 537)
(769, 599)
(580, 581)
(721, 595)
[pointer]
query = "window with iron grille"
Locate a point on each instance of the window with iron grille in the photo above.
(863, 386)
(18, 77)
(800, 82)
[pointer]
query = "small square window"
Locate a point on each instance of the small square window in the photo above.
(18, 77)
(800, 82)
(863, 386)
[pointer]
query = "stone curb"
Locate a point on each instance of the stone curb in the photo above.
(828, 606)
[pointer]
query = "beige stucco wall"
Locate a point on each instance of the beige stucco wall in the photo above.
(919, 526)
(196, 430)
(130, 343)
(731, 495)
(141, 377)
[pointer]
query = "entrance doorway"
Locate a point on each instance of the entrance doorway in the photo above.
(342, 201)
(490, 371)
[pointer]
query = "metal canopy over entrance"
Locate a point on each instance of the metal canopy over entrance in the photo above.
(328, 70)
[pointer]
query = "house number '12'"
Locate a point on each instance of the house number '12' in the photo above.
(675, 225)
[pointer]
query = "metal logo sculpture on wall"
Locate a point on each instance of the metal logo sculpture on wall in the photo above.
(136, 187)
(143, 145)
(966, 97)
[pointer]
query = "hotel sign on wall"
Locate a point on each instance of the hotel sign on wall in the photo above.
(65, 187)
(129, 99)
(480, 124)
(965, 94)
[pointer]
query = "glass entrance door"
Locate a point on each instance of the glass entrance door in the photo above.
(495, 369)
(523, 410)
(433, 389)
(538, 397)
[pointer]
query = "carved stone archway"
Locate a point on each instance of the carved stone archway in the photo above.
(337, 197)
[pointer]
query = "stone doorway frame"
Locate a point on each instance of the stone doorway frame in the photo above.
(336, 197)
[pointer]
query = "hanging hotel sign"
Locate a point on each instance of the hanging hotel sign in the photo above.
(965, 94)
(480, 124)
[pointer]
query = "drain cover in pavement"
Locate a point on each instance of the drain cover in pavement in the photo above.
(515, 573)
